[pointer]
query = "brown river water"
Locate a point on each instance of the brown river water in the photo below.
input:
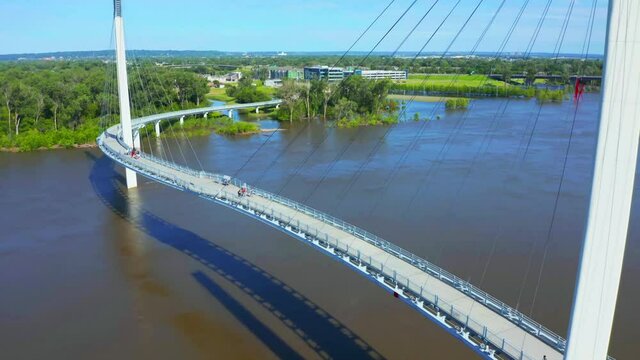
(91, 270)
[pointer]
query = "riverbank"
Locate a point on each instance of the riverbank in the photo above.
(91, 145)
(33, 139)
(84, 136)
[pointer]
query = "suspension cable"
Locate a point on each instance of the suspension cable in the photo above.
(252, 156)
(303, 163)
(361, 62)
(563, 173)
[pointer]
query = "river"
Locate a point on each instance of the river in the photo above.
(90, 270)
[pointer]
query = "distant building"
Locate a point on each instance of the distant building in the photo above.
(295, 74)
(274, 83)
(285, 73)
(233, 76)
(337, 74)
(278, 73)
(323, 72)
(382, 74)
(224, 79)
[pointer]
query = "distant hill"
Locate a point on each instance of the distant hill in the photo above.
(107, 54)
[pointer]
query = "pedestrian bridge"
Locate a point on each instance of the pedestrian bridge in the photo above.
(137, 124)
(487, 325)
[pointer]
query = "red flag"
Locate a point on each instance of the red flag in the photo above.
(579, 89)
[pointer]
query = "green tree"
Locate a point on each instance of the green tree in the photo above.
(7, 95)
(39, 100)
(22, 99)
(345, 108)
(289, 93)
(327, 93)
(530, 74)
(57, 96)
(506, 71)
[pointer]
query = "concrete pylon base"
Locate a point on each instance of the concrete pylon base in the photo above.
(132, 179)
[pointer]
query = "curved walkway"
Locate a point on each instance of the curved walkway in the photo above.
(490, 327)
(197, 111)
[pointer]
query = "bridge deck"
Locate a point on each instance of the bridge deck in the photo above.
(411, 281)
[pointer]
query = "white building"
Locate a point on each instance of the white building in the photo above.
(224, 79)
(274, 83)
(382, 74)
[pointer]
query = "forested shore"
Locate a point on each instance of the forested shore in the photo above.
(67, 103)
(53, 104)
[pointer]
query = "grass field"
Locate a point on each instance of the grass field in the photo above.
(219, 95)
(460, 85)
(265, 89)
(451, 79)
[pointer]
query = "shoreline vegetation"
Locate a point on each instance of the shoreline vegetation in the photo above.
(64, 104)
(63, 138)
(456, 104)
(198, 126)
(61, 104)
(353, 102)
(91, 145)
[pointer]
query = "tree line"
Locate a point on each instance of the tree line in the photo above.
(67, 98)
(48, 102)
(425, 65)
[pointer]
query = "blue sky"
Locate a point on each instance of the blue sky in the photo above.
(282, 25)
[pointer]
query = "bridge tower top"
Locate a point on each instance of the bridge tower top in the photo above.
(117, 8)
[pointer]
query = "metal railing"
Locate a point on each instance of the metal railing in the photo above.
(416, 293)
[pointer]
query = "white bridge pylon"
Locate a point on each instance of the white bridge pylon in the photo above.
(612, 190)
(123, 89)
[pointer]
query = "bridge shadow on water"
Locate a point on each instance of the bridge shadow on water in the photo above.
(320, 331)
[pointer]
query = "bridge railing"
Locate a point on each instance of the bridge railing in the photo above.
(483, 297)
(418, 294)
(517, 318)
